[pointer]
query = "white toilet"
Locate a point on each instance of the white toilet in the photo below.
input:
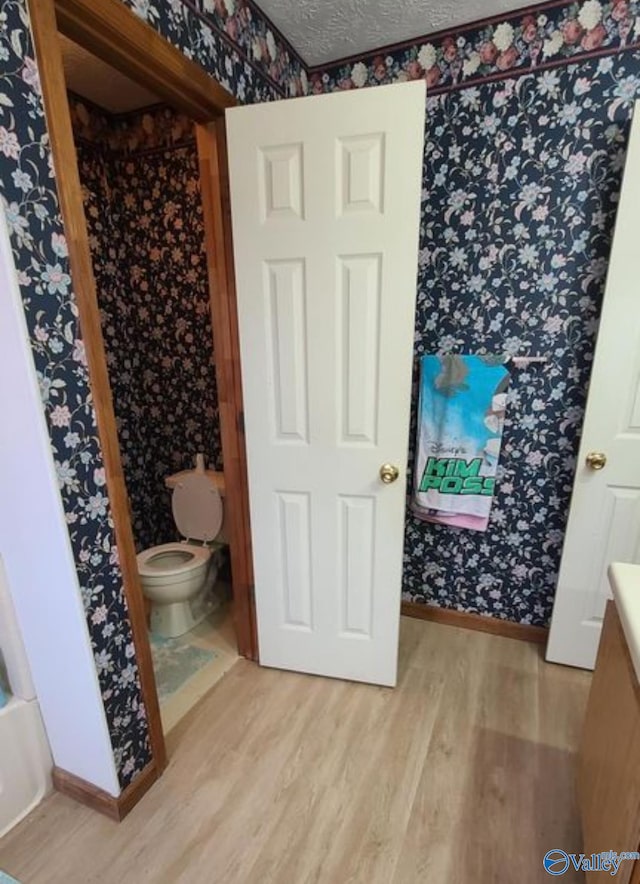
(178, 578)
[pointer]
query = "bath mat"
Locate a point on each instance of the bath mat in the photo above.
(175, 661)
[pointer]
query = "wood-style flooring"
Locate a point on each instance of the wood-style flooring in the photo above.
(463, 774)
(216, 634)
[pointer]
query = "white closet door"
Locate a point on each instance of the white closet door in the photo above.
(604, 520)
(325, 196)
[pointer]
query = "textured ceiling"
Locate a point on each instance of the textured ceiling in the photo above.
(92, 78)
(326, 30)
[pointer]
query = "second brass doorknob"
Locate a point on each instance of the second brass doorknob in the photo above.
(596, 460)
(389, 473)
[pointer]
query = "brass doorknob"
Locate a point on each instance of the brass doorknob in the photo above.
(389, 473)
(596, 460)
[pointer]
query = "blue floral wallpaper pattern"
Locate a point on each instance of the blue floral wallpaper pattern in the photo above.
(540, 37)
(527, 125)
(30, 202)
(233, 41)
(31, 207)
(142, 201)
(521, 181)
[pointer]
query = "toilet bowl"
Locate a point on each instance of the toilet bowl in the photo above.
(178, 578)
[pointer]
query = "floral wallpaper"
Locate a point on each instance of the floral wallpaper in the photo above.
(234, 41)
(142, 199)
(536, 38)
(30, 202)
(29, 199)
(527, 126)
(155, 127)
(521, 183)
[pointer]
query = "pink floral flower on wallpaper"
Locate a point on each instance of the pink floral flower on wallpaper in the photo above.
(263, 45)
(519, 43)
(233, 36)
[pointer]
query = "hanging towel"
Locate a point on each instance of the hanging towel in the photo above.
(460, 421)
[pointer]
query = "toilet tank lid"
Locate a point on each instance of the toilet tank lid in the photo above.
(197, 507)
(215, 476)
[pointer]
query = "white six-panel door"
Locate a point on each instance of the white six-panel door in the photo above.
(325, 196)
(604, 521)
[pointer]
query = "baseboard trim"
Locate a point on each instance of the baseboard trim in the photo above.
(97, 799)
(464, 620)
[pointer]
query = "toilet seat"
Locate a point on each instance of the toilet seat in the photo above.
(179, 558)
(197, 507)
(178, 578)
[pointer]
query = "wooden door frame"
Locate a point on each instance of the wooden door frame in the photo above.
(113, 33)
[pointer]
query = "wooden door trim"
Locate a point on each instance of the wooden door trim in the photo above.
(481, 623)
(214, 179)
(54, 92)
(110, 31)
(113, 33)
(97, 799)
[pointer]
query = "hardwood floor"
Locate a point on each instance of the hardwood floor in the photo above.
(464, 773)
(215, 634)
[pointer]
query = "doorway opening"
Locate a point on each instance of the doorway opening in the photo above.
(119, 38)
(138, 165)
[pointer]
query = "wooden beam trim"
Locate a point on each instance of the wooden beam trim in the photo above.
(234, 336)
(465, 620)
(118, 36)
(213, 170)
(97, 799)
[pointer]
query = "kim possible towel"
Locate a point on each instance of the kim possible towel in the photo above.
(460, 420)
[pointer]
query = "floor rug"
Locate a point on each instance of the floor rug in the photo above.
(175, 661)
